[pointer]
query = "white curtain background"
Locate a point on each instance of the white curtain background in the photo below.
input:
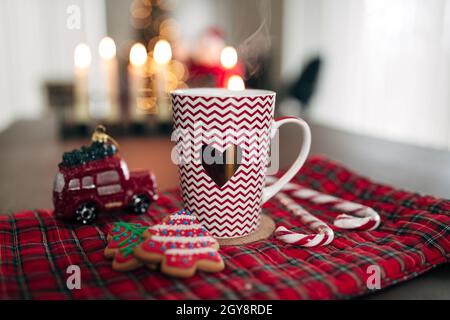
(386, 69)
(36, 46)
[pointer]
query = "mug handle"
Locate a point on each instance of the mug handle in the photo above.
(270, 191)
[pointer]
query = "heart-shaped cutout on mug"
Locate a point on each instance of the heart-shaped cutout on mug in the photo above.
(221, 166)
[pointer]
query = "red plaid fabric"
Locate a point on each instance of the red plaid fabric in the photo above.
(36, 250)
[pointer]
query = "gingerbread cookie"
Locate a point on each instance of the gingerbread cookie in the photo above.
(181, 245)
(122, 239)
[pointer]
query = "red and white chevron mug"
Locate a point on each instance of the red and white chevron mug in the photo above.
(223, 139)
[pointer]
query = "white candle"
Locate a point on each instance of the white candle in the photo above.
(162, 54)
(138, 59)
(82, 62)
(110, 70)
(236, 83)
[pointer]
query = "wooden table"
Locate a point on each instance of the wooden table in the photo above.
(31, 150)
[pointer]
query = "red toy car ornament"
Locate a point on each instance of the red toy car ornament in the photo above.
(95, 178)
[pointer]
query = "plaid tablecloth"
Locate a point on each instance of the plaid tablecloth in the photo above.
(414, 237)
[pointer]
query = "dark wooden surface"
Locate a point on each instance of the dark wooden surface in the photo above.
(30, 152)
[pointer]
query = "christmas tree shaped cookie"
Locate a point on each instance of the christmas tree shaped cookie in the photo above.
(122, 239)
(181, 245)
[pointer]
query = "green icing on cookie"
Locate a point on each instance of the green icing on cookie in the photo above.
(131, 232)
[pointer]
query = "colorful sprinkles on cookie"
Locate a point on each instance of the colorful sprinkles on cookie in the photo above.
(123, 238)
(182, 245)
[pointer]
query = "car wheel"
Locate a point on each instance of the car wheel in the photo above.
(86, 213)
(140, 203)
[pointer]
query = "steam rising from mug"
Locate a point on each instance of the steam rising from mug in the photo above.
(258, 44)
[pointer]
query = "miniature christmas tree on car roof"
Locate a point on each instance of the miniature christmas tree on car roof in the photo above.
(102, 146)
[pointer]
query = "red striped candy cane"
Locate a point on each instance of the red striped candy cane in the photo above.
(324, 233)
(355, 217)
(360, 217)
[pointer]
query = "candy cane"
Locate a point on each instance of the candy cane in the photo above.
(361, 218)
(324, 233)
(356, 216)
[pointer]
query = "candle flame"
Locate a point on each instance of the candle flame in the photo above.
(236, 83)
(138, 55)
(228, 57)
(107, 48)
(82, 56)
(162, 52)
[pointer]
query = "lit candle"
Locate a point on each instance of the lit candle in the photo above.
(138, 59)
(236, 83)
(162, 54)
(110, 70)
(228, 57)
(232, 69)
(82, 61)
